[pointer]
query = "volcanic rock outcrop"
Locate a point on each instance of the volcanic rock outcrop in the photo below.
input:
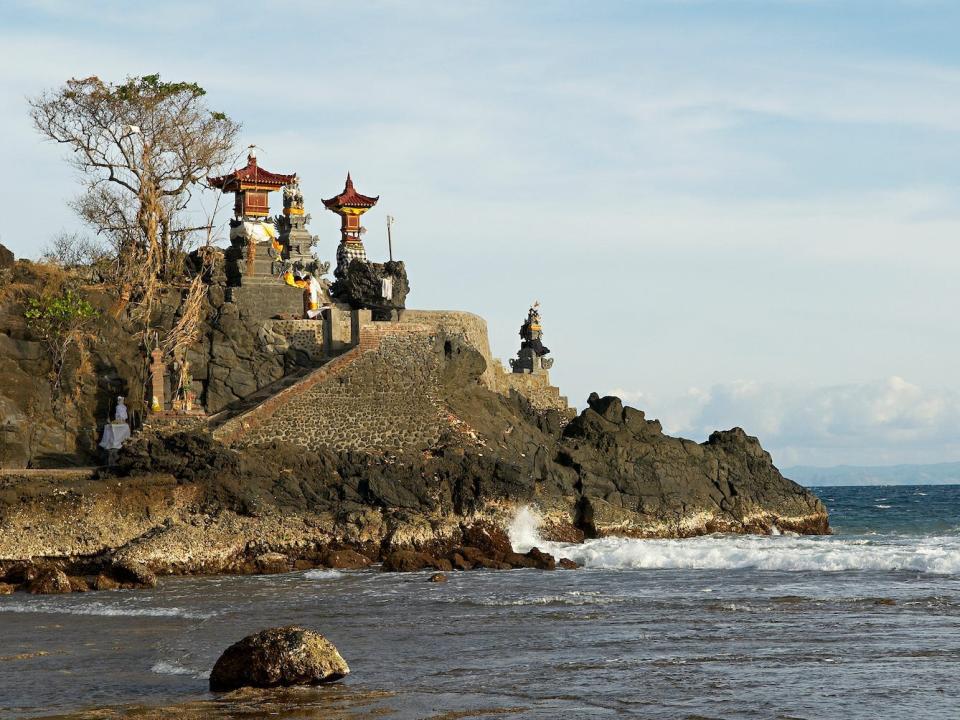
(278, 657)
(311, 477)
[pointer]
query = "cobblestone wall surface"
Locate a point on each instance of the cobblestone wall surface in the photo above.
(303, 335)
(473, 329)
(383, 394)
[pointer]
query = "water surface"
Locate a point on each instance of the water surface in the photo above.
(863, 624)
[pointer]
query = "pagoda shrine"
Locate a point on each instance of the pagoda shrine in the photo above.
(350, 205)
(251, 185)
(253, 235)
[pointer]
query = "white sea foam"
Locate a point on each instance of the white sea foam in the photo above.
(788, 552)
(523, 530)
(573, 598)
(827, 554)
(162, 667)
(322, 574)
(49, 607)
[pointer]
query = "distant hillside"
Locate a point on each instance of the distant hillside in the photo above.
(934, 474)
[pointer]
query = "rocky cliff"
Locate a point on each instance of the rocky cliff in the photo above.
(304, 487)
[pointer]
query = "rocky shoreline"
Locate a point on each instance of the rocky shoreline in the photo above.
(187, 504)
(393, 451)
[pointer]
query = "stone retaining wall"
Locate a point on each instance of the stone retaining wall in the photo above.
(303, 335)
(382, 394)
(537, 390)
(473, 330)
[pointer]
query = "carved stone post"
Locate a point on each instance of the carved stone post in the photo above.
(158, 375)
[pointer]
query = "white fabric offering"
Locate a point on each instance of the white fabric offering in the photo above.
(114, 435)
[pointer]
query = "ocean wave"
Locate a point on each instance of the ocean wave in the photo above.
(572, 598)
(163, 667)
(938, 555)
(49, 607)
(322, 574)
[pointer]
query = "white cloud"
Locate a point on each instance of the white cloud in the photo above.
(873, 423)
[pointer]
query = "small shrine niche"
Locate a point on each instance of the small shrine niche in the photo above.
(531, 358)
(350, 205)
(251, 186)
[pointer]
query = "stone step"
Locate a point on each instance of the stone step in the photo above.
(251, 401)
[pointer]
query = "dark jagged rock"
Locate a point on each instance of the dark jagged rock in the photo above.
(21, 573)
(133, 574)
(361, 285)
(635, 480)
(408, 561)
(345, 559)
(542, 560)
(6, 257)
(105, 582)
(79, 584)
(278, 657)
(438, 578)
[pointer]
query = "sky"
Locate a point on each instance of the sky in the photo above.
(734, 213)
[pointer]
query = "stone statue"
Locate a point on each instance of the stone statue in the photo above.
(531, 356)
(292, 197)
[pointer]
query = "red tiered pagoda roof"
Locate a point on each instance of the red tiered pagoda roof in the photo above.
(249, 176)
(350, 198)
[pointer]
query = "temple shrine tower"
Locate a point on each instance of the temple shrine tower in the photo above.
(253, 235)
(350, 205)
(252, 186)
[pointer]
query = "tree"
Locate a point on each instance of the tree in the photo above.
(61, 321)
(142, 147)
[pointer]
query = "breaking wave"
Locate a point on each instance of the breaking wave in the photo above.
(322, 574)
(102, 609)
(573, 598)
(939, 555)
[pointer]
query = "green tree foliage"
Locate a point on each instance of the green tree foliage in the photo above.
(61, 321)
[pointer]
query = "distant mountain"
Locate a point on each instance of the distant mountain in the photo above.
(933, 474)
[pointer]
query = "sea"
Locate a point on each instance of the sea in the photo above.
(861, 624)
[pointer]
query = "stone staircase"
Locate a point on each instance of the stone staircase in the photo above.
(238, 408)
(231, 424)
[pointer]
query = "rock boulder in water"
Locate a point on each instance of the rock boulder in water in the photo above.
(345, 559)
(133, 574)
(276, 657)
(51, 581)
